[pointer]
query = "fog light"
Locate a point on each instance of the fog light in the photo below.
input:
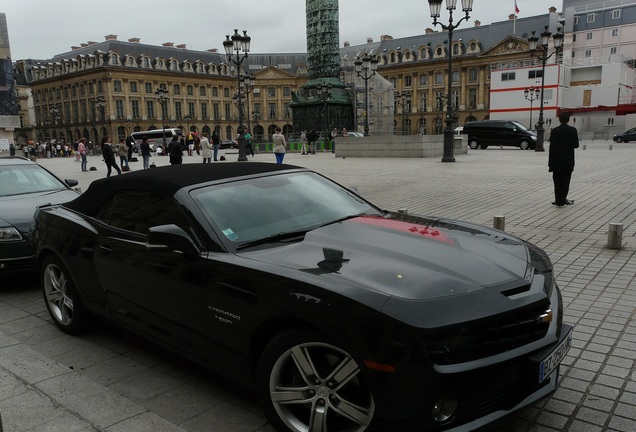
(444, 410)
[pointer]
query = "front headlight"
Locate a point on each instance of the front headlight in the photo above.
(534, 138)
(9, 234)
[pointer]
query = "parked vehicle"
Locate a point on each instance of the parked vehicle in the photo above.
(155, 137)
(25, 185)
(343, 317)
(229, 144)
(481, 134)
(355, 134)
(627, 136)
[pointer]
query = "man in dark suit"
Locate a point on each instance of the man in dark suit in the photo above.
(563, 140)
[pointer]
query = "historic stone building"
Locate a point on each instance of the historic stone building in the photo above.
(110, 87)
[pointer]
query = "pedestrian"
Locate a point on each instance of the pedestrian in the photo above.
(280, 145)
(175, 151)
(312, 137)
(344, 132)
(248, 143)
(216, 142)
(304, 143)
(206, 148)
(109, 156)
(563, 140)
(11, 150)
(81, 150)
(332, 136)
(144, 147)
(122, 150)
(190, 143)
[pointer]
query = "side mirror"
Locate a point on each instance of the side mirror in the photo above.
(171, 238)
(71, 182)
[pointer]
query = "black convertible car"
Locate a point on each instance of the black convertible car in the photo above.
(343, 317)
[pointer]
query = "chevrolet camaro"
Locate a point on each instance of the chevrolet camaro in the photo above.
(341, 316)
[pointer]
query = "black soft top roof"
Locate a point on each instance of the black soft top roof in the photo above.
(166, 181)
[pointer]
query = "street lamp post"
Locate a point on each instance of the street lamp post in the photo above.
(236, 50)
(129, 125)
(533, 41)
(436, 7)
(401, 100)
(100, 103)
(248, 85)
(531, 94)
(55, 114)
(365, 69)
(162, 96)
(188, 120)
(324, 92)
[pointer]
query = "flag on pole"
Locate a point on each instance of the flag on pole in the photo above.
(516, 8)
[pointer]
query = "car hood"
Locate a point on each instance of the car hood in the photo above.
(18, 210)
(407, 257)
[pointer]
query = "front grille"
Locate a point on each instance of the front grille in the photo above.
(472, 341)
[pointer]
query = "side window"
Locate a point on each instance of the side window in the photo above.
(139, 210)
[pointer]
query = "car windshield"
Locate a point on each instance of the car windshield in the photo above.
(270, 207)
(519, 126)
(25, 179)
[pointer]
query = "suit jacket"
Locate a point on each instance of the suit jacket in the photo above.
(563, 140)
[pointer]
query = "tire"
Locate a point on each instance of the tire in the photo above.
(524, 145)
(473, 144)
(61, 298)
(307, 383)
(619, 140)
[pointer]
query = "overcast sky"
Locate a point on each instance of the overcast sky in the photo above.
(40, 29)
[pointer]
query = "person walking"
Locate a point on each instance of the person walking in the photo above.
(312, 137)
(280, 145)
(216, 142)
(206, 148)
(304, 143)
(144, 147)
(563, 140)
(122, 150)
(109, 156)
(11, 150)
(248, 143)
(81, 150)
(333, 135)
(174, 151)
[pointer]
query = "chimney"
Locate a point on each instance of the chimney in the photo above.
(110, 37)
(133, 40)
(429, 31)
(347, 44)
(369, 40)
(213, 50)
(477, 23)
(91, 43)
(386, 37)
(74, 48)
(83, 45)
(168, 44)
(552, 9)
(511, 17)
(181, 46)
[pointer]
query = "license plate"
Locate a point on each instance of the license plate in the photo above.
(552, 360)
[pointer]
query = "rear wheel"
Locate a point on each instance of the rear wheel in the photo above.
(61, 298)
(473, 144)
(524, 145)
(306, 383)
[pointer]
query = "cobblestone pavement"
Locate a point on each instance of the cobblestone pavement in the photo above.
(111, 381)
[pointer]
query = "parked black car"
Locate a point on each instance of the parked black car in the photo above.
(342, 316)
(481, 134)
(24, 185)
(229, 144)
(627, 136)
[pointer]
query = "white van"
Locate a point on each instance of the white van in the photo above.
(155, 137)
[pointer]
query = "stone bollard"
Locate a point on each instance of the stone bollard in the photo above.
(584, 146)
(610, 146)
(615, 236)
(499, 222)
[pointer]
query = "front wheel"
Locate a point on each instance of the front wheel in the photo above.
(306, 383)
(524, 145)
(619, 140)
(61, 298)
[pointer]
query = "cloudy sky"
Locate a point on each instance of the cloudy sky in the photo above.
(40, 29)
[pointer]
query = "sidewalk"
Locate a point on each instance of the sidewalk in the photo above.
(111, 381)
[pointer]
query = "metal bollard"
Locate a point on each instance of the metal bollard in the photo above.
(615, 236)
(499, 222)
(610, 146)
(584, 146)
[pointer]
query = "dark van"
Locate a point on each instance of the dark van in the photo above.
(481, 134)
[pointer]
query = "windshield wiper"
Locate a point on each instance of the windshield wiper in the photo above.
(274, 238)
(344, 218)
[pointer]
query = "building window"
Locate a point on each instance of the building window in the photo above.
(455, 99)
(119, 109)
(146, 62)
(150, 108)
(576, 20)
(228, 113)
(271, 91)
(135, 109)
(215, 92)
(148, 87)
(455, 76)
(286, 91)
(73, 91)
(588, 53)
(176, 89)
(591, 17)
(82, 90)
(178, 110)
(439, 78)
(423, 79)
(204, 110)
(508, 76)
(190, 90)
(272, 111)
(91, 89)
(202, 91)
(439, 100)
(408, 81)
(613, 50)
(217, 111)
(616, 14)
(423, 100)
(535, 74)
(614, 32)
(226, 92)
(472, 74)
(133, 87)
(117, 86)
(472, 98)
(456, 49)
(191, 110)
(589, 35)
